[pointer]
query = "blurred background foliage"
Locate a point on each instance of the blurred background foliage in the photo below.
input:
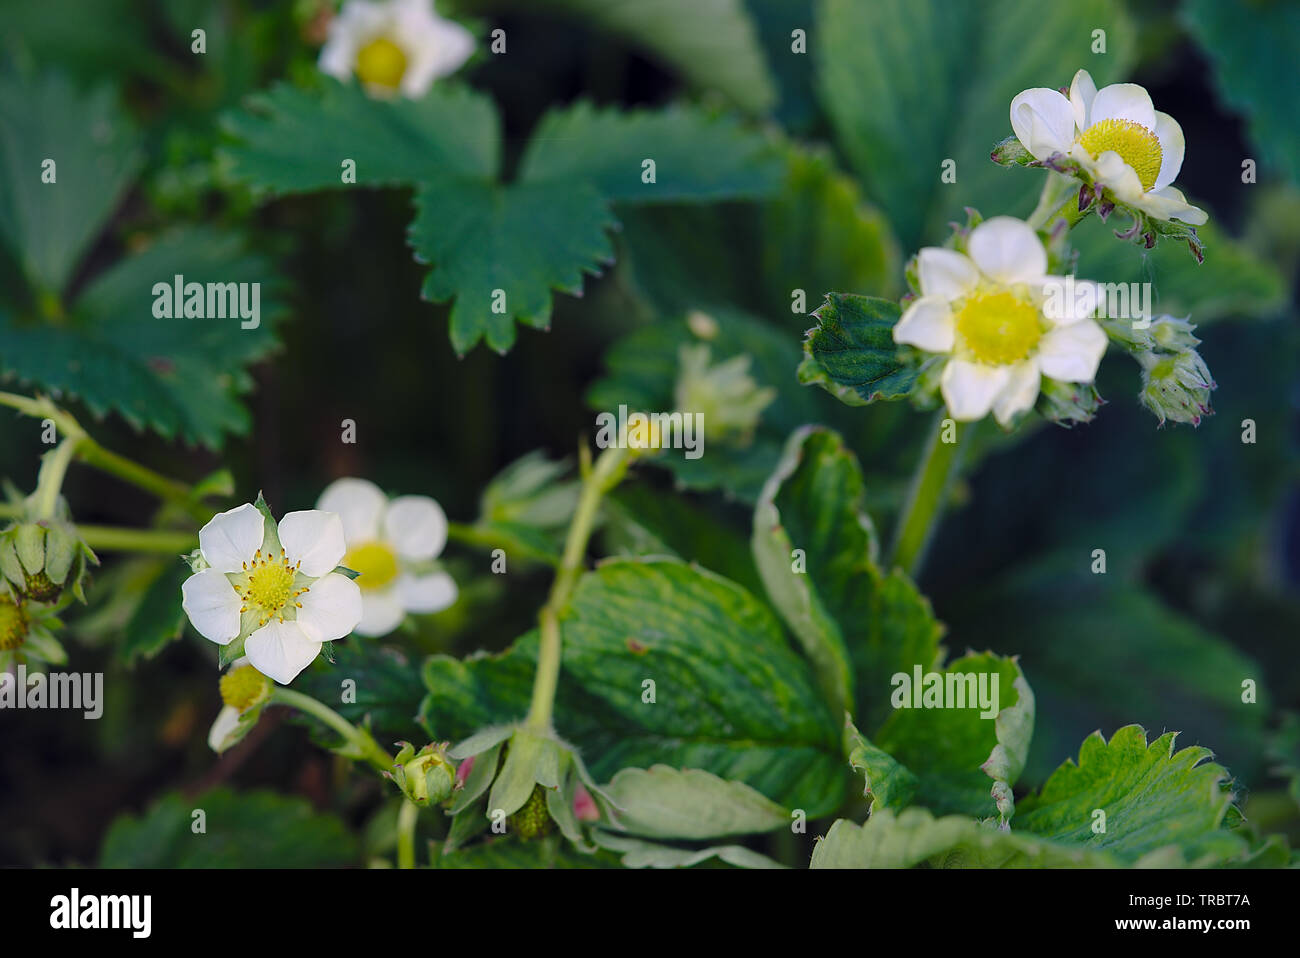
(1201, 531)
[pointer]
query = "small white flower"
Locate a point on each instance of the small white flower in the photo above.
(275, 588)
(988, 312)
(392, 544)
(1114, 133)
(394, 46)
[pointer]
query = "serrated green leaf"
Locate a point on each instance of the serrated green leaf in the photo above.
(1152, 797)
(909, 84)
(1251, 47)
(500, 250)
(915, 837)
(179, 377)
(289, 140)
(697, 157)
(47, 227)
(730, 696)
(884, 780)
(665, 802)
(956, 754)
(638, 853)
(257, 829)
(851, 351)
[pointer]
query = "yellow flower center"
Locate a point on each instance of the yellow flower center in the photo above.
(381, 62)
(375, 561)
(1136, 145)
(13, 625)
(643, 435)
(241, 688)
(268, 588)
(999, 328)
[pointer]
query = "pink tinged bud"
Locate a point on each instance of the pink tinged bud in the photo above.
(584, 806)
(463, 771)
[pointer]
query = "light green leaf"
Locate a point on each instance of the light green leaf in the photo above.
(1251, 46)
(500, 250)
(179, 377)
(697, 157)
(956, 754)
(730, 696)
(851, 351)
(642, 854)
(665, 802)
(885, 781)
(909, 84)
(915, 837)
(47, 227)
(290, 140)
(1152, 797)
(256, 829)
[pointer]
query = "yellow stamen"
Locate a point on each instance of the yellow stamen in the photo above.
(242, 687)
(376, 562)
(999, 328)
(381, 62)
(1136, 145)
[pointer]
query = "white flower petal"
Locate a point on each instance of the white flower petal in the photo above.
(1123, 101)
(1111, 171)
(945, 273)
(1072, 353)
(1043, 121)
(970, 388)
(1170, 204)
(280, 650)
(1172, 146)
(227, 721)
(927, 324)
(1082, 92)
(1066, 299)
(230, 538)
(436, 49)
(357, 24)
(331, 608)
(359, 504)
(381, 612)
(315, 539)
(212, 605)
(416, 527)
(427, 593)
(1008, 250)
(1020, 392)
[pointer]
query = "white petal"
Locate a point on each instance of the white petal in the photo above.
(1066, 299)
(331, 608)
(1117, 176)
(212, 604)
(1008, 250)
(1082, 92)
(1043, 121)
(1123, 101)
(230, 538)
(359, 504)
(928, 324)
(355, 25)
(1170, 204)
(280, 650)
(227, 721)
(970, 388)
(1019, 393)
(1172, 146)
(435, 51)
(416, 527)
(313, 538)
(427, 593)
(945, 273)
(381, 612)
(1072, 353)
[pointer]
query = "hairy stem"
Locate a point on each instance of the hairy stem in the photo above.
(360, 739)
(406, 819)
(54, 467)
(925, 500)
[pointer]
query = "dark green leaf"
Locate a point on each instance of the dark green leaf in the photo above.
(851, 351)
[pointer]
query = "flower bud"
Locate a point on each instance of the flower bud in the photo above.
(41, 560)
(532, 820)
(1176, 385)
(244, 687)
(725, 395)
(427, 776)
(1067, 403)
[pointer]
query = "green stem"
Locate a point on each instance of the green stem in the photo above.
(406, 819)
(116, 539)
(361, 740)
(925, 499)
(609, 468)
(54, 467)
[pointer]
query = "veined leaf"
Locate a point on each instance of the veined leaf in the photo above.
(729, 695)
(665, 802)
(851, 351)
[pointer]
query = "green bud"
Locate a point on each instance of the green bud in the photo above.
(428, 776)
(727, 396)
(532, 821)
(44, 559)
(1176, 386)
(1067, 403)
